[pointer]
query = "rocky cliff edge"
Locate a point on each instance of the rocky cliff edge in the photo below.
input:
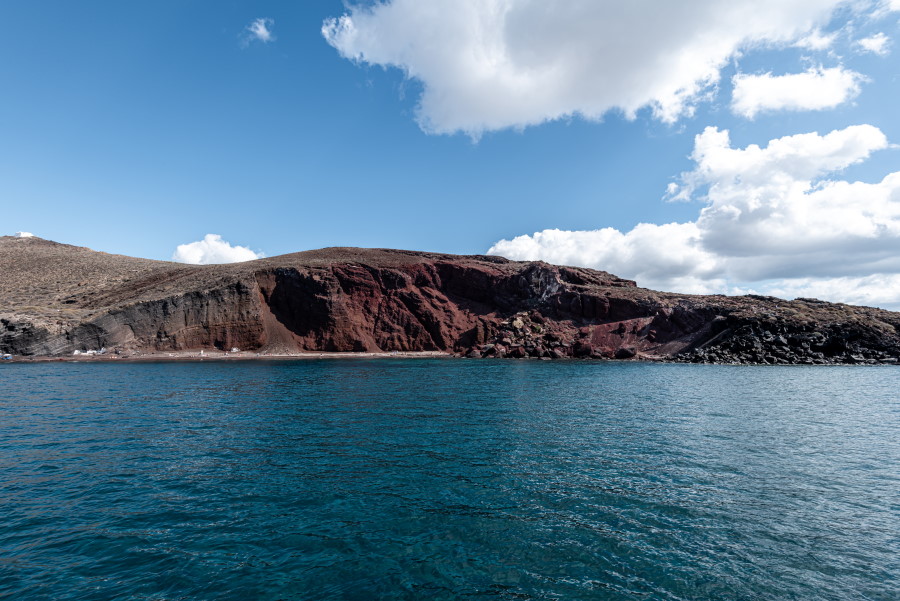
(56, 299)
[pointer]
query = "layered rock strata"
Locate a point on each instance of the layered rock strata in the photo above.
(56, 299)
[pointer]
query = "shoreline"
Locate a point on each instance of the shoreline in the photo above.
(241, 356)
(179, 356)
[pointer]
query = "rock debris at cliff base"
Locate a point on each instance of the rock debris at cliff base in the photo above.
(56, 299)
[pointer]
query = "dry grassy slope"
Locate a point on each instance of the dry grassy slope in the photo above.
(43, 279)
(57, 287)
(48, 281)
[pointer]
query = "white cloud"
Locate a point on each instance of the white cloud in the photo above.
(767, 211)
(879, 290)
(817, 40)
(24, 235)
(882, 8)
(815, 89)
(259, 30)
(212, 250)
(876, 44)
(668, 256)
(768, 215)
(493, 64)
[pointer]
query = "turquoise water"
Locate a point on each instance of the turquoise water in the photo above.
(448, 479)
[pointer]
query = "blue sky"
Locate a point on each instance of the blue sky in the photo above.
(455, 126)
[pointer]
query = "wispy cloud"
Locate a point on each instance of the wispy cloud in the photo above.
(260, 30)
(815, 89)
(817, 40)
(212, 250)
(876, 44)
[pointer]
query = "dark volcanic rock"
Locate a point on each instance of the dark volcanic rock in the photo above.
(625, 352)
(55, 299)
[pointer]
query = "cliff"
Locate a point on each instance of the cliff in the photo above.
(55, 299)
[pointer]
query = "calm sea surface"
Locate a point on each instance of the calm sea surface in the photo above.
(448, 479)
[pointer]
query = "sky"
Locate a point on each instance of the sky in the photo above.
(703, 146)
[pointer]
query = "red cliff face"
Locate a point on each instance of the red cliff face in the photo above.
(380, 300)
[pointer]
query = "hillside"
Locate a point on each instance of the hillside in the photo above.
(56, 298)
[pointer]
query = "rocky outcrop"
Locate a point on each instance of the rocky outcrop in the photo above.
(741, 340)
(57, 299)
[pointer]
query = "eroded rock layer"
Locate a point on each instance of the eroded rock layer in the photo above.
(56, 299)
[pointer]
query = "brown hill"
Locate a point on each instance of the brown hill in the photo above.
(56, 298)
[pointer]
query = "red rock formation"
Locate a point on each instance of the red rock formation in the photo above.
(383, 300)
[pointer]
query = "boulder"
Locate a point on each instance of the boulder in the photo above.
(625, 352)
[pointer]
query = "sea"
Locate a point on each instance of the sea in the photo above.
(359, 479)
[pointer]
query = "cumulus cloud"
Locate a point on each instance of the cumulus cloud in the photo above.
(876, 44)
(493, 64)
(814, 89)
(23, 235)
(770, 217)
(211, 250)
(668, 256)
(769, 211)
(879, 290)
(259, 30)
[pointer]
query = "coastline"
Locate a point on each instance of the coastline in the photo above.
(197, 355)
(219, 356)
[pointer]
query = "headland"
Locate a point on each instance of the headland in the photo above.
(62, 301)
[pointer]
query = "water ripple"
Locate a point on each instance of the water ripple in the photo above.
(441, 479)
